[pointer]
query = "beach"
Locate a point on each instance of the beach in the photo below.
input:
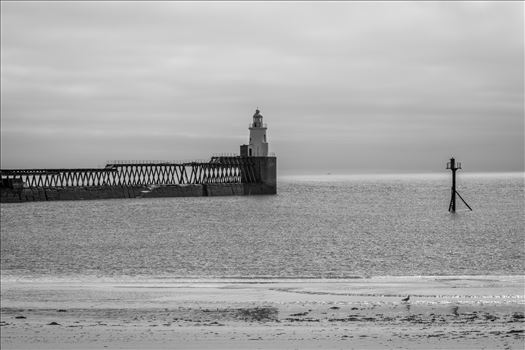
(443, 312)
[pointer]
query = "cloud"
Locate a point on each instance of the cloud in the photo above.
(439, 77)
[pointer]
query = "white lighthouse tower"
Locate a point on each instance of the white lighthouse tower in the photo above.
(258, 146)
(258, 171)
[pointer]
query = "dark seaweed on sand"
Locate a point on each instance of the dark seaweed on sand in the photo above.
(259, 314)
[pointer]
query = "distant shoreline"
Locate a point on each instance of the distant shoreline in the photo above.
(444, 174)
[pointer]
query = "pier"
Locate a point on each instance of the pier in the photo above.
(232, 175)
(123, 173)
(252, 172)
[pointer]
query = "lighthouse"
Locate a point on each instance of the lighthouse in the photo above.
(260, 176)
(258, 145)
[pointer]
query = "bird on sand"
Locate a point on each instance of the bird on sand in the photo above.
(406, 299)
(455, 310)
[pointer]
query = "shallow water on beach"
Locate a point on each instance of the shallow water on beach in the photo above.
(316, 227)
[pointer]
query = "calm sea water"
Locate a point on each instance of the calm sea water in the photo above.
(326, 226)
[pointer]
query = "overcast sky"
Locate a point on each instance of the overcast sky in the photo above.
(345, 87)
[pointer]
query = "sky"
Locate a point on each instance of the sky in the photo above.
(345, 87)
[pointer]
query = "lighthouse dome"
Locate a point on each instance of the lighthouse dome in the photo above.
(257, 119)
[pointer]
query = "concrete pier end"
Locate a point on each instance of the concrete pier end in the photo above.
(266, 170)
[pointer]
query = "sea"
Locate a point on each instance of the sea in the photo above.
(317, 226)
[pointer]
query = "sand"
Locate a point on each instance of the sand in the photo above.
(460, 312)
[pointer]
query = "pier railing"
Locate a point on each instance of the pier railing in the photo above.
(220, 169)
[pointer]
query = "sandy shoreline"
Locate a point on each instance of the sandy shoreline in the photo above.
(458, 312)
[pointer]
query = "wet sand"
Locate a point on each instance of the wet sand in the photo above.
(466, 312)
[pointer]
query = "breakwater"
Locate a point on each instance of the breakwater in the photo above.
(221, 176)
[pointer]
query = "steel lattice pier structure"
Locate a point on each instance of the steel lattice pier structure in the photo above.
(217, 170)
(222, 175)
